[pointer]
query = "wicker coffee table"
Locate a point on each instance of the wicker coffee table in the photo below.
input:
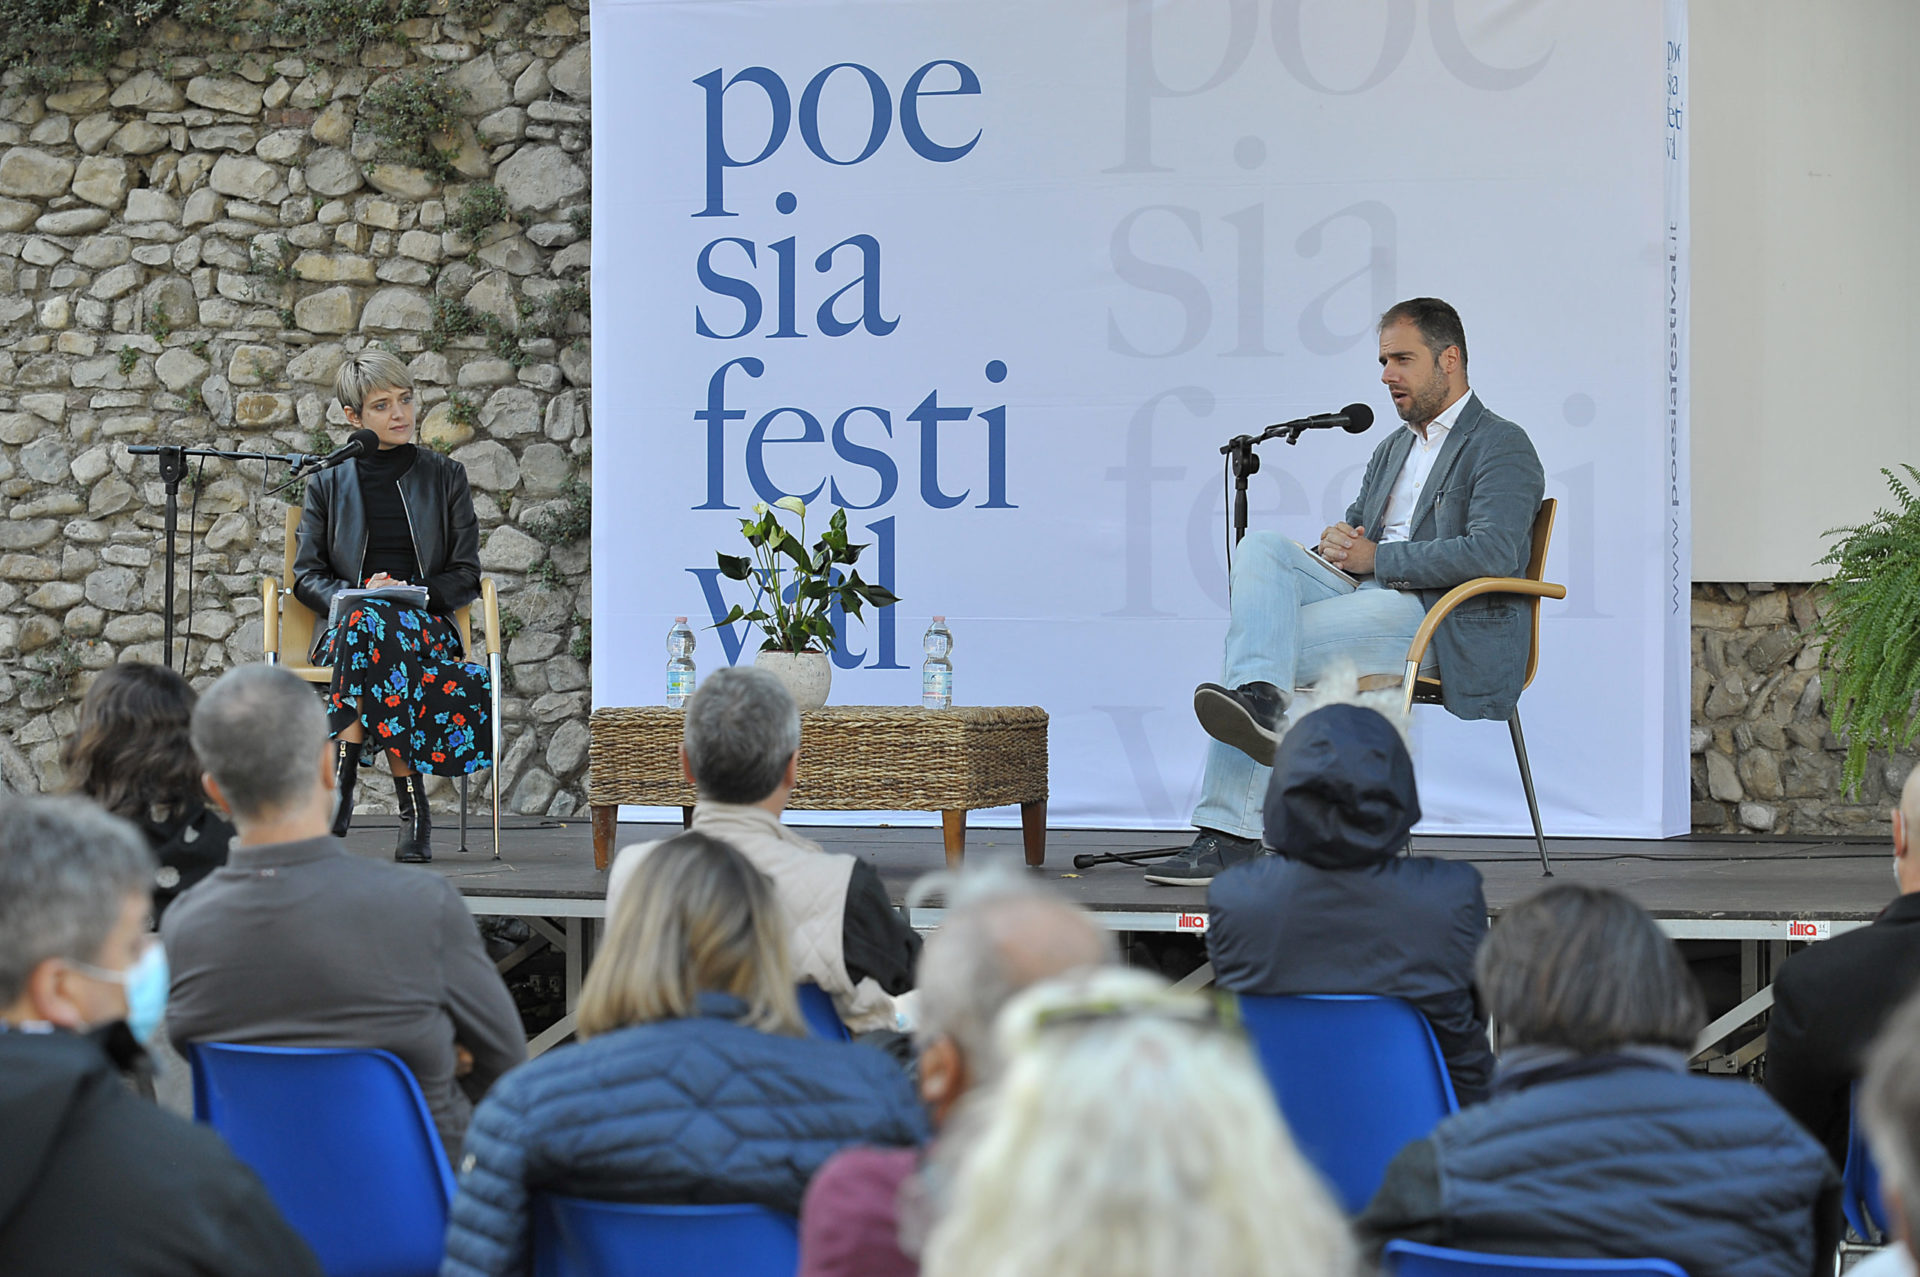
(852, 758)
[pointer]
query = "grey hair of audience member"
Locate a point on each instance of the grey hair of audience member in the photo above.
(259, 732)
(1000, 933)
(66, 871)
(1890, 1109)
(742, 727)
(1588, 970)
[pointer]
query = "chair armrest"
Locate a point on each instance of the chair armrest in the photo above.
(269, 617)
(1472, 590)
(490, 613)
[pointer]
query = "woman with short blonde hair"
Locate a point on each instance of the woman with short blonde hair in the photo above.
(694, 1081)
(1132, 1134)
(397, 515)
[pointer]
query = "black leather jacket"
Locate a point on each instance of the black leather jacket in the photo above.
(446, 534)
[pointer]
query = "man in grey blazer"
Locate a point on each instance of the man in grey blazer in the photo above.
(1450, 498)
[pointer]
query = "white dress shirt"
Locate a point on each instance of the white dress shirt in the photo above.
(1395, 523)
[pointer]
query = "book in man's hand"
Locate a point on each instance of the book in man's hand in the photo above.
(411, 595)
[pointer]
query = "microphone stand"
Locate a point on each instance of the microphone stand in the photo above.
(1245, 463)
(1240, 454)
(173, 468)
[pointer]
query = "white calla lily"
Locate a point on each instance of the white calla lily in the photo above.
(794, 504)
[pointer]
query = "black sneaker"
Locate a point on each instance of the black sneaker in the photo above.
(1211, 853)
(1249, 717)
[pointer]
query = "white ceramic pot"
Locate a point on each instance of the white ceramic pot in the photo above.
(808, 675)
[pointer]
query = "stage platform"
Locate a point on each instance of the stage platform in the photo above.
(1733, 888)
(1758, 892)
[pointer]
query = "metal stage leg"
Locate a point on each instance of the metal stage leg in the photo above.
(576, 960)
(574, 936)
(1526, 780)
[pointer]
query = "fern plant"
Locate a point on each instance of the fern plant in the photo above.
(1871, 661)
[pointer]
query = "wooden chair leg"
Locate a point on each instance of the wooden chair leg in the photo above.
(1033, 831)
(686, 818)
(1526, 780)
(953, 826)
(605, 821)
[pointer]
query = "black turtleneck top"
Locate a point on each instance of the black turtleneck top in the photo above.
(390, 546)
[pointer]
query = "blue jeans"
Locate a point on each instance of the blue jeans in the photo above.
(1292, 618)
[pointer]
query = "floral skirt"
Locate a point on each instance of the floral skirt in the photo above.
(399, 670)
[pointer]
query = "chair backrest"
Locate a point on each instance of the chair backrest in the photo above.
(1412, 1259)
(817, 1009)
(297, 619)
(1357, 1077)
(1860, 1184)
(573, 1237)
(1537, 571)
(345, 1145)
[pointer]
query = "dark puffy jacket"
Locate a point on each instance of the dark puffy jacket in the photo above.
(1402, 928)
(1621, 1156)
(96, 1181)
(1338, 910)
(701, 1110)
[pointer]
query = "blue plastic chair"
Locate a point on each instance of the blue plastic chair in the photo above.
(1358, 1078)
(573, 1237)
(345, 1145)
(1860, 1184)
(817, 1009)
(1411, 1259)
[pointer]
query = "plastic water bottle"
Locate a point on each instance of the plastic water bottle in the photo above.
(679, 664)
(936, 675)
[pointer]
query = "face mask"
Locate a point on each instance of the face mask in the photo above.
(146, 984)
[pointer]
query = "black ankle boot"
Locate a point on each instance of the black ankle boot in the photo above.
(415, 845)
(346, 770)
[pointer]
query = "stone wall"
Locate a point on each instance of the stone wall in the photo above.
(190, 241)
(1764, 759)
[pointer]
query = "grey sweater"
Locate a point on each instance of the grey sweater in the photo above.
(305, 944)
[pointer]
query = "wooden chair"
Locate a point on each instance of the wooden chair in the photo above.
(1422, 689)
(287, 639)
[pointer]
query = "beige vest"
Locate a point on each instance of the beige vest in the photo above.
(812, 886)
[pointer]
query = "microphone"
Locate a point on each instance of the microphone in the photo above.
(1355, 418)
(358, 444)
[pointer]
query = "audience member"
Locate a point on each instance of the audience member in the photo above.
(298, 942)
(694, 1081)
(999, 935)
(1339, 909)
(742, 756)
(1130, 1135)
(1890, 1111)
(93, 1179)
(130, 753)
(1830, 998)
(1597, 1141)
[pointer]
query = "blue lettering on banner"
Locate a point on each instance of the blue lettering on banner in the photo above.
(843, 115)
(779, 105)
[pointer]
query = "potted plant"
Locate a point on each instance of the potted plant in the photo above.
(793, 588)
(1871, 659)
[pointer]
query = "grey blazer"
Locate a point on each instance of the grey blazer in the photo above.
(1475, 518)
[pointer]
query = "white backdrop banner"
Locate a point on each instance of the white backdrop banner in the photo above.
(999, 278)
